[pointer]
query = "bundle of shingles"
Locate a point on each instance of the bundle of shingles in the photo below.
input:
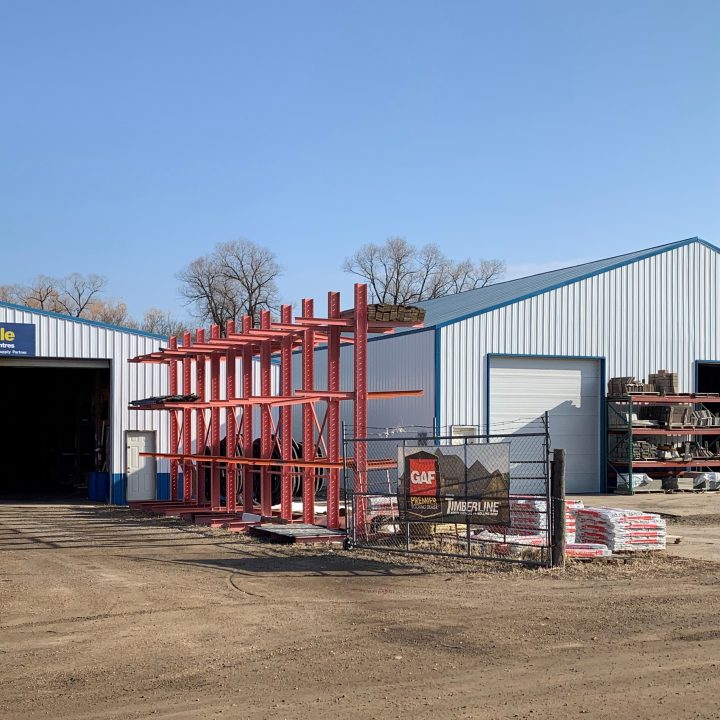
(528, 515)
(587, 550)
(621, 530)
(510, 542)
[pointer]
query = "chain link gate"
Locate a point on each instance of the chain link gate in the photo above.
(492, 502)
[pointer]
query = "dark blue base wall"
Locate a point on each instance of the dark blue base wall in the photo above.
(119, 483)
(162, 488)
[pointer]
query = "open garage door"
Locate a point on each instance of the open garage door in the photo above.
(54, 428)
(569, 390)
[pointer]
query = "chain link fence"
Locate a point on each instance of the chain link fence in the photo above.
(484, 496)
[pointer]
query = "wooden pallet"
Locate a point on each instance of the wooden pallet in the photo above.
(297, 533)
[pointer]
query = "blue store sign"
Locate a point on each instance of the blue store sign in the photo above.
(17, 340)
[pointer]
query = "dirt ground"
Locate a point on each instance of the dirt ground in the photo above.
(108, 614)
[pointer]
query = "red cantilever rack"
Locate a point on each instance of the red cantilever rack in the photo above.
(270, 340)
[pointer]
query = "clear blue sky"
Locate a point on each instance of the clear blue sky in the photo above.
(136, 135)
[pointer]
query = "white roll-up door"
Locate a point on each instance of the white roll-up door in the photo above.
(569, 390)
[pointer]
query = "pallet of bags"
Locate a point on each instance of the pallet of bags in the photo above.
(571, 508)
(511, 543)
(528, 514)
(621, 530)
(587, 550)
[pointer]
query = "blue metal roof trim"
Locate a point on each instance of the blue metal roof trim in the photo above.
(84, 321)
(462, 306)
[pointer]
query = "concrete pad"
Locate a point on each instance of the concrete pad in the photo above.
(679, 504)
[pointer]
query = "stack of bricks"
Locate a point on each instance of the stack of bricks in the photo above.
(619, 386)
(664, 382)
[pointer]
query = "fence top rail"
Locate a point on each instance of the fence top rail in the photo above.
(457, 439)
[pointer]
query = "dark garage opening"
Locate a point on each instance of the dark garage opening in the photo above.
(54, 430)
(708, 381)
(708, 378)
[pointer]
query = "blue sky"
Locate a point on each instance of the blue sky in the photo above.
(136, 135)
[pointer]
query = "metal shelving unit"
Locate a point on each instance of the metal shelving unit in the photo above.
(623, 429)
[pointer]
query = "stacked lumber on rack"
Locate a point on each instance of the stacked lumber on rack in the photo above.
(382, 312)
(621, 530)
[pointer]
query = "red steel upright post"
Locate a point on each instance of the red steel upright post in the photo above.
(333, 412)
(286, 416)
(200, 418)
(215, 421)
(187, 422)
(360, 407)
(247, 391)
(174, 434)
(266, 439)
(308, 429)
(230, 425)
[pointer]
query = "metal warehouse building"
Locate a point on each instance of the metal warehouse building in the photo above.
(500, 356)
(493, 358)
(66, 384)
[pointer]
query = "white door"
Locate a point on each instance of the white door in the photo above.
(569, 390)
(140, 470)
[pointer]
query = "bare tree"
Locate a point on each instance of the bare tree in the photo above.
(161, 322)
(78, 291)
(397, 272)
(236, 278)
(468, 276)
(252, 272)
(10, 294)
(113, 312)
(42, 293)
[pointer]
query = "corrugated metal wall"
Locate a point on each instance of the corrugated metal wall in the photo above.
(71, 339)
(661, 312)
(405, 362)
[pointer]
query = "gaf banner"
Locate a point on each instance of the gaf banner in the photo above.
(455, 484)
(17, 339)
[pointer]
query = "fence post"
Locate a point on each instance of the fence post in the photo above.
(557, 491)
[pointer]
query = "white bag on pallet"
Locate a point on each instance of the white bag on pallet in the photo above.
(621, 529)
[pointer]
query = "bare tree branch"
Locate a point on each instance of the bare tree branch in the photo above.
(77, 292)
(237, 278)
(113, 312)
(43, 293)
(161, 322)
(398, 272)
(10, 294)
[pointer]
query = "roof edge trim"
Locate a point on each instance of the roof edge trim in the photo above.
(653, 252)
(82, 321)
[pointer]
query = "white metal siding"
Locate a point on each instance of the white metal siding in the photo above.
(523, 388)
(661, 312)
(405, 362)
